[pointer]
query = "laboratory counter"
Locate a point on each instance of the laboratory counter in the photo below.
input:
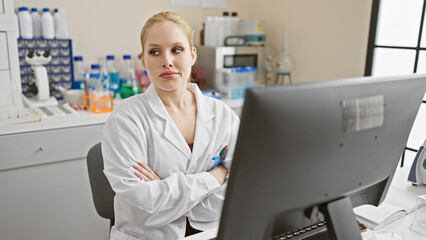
(44, 180)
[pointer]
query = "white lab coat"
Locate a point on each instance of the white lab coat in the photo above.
(140, 129)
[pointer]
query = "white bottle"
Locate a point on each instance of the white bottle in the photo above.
(55, 19)
(25, 23)
(47, 26)
(36, 23)
(61, 27)
(234, 23)
(227, 24)
(208, 32)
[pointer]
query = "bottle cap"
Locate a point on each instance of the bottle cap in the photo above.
(234, 14)
(78, 58)
(34, 9)
(23, 9)
(95, 66)
(225, 14)
(56, 10)
(127, 57)
(46, 9)
(110, 57)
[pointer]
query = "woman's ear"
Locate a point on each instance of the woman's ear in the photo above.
(194, 55)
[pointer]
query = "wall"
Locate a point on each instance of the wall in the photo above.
(101, 27)
(328, 38)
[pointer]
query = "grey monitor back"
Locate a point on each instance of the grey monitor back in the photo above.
(303, 147)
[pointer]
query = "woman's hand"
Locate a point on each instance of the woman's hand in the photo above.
(219, 173)
(145, 173)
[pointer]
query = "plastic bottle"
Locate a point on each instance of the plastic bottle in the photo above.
(55, 19)
(36, 23)
(114, 76)
(47, 25)
(79, 73)
(226, 25)
(61, 26)
(208, 32)
(94, 79)
(105, 81)
(129, 85)
(25, 23)
(234, 24)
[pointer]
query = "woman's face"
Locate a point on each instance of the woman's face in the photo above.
(167, 56)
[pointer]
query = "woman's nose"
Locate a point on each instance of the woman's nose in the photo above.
(167, 61)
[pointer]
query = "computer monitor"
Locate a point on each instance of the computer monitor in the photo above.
(311, 152)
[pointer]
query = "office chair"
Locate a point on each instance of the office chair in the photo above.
(103, 195)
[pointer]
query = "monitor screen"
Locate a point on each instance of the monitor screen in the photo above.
(306, 154)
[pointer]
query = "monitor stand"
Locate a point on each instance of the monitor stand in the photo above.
(340, 220)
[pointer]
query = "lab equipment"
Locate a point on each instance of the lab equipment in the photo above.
(98, 100)
(36, 23)
(321, 149)
(37, 60)
(59, 69)
(235, 81)
(61, 27)
(217, 28)
(79, 73)
(253, 31)
(55, 19)
(25, 23)
(417, 173)
(73, 96)
(129, 86)
(284, 62)
(114, 76)
(47, 24)
(212, 60)
(419, 222)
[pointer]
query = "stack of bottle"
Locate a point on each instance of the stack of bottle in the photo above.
(216, 29)
(47, 26)
(106, 80)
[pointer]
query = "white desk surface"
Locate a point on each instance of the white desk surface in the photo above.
(84, 118)
(399, 185)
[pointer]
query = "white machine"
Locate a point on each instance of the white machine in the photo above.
(418, 170)
(37, 60)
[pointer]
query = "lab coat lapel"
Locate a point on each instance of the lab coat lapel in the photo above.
(203, 132)
(171, 132)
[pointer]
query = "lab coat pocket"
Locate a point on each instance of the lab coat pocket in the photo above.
(119, 235)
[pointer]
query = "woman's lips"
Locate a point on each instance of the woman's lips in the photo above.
(168, 74)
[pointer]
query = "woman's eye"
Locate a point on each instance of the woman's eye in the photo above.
(177, 50)
(154, 52)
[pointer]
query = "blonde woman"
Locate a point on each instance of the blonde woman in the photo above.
(161, 147)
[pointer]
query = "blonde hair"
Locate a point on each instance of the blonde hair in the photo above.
(171, 17)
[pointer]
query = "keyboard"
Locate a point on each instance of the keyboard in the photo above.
(317, 231)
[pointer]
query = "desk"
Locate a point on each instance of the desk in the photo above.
(44, 184)
(399, 186)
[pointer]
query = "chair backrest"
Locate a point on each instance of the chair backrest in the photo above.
(103, 195)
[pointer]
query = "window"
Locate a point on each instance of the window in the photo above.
(397, 45)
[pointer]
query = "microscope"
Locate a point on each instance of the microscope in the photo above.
(41, 88)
